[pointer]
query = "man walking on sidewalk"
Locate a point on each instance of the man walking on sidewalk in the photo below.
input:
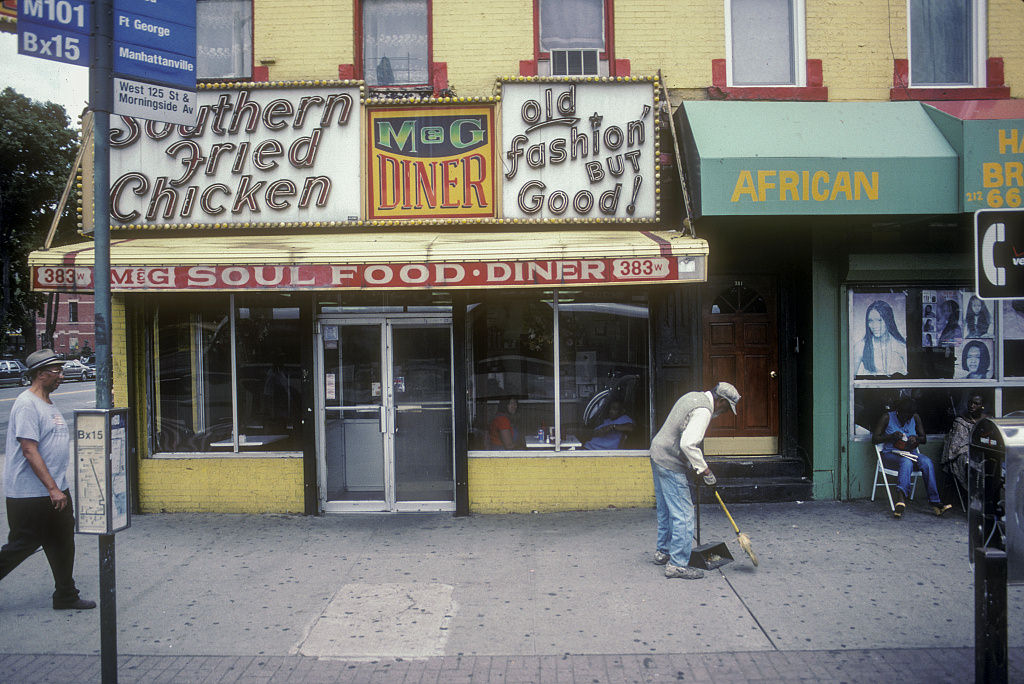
(39, 510)
(673, 449)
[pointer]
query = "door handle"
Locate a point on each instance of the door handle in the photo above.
(773, 374)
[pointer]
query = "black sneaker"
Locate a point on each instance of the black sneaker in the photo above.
(77, 604)
(686, 572)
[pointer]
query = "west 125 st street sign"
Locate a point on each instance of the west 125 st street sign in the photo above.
(57, 30)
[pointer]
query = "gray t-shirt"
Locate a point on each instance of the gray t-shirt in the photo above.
(32, 418)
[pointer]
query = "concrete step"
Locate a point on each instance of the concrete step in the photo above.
(726, 467)
(759, 489)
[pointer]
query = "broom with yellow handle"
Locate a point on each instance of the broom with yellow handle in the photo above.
(743, 539)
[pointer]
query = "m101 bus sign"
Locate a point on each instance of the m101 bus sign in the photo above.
(57, 30)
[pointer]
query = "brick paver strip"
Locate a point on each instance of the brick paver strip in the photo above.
(915, 665)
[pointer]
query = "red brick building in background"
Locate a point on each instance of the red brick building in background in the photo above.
(74, 334)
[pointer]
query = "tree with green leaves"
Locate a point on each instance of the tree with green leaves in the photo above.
(37, 149)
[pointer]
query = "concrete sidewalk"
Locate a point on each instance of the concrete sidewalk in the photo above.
(843, 593)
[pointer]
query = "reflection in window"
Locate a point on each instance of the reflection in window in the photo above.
(395, 42)
(765, 42)
(602, 349)
(195, 393)
(223, 38)
(942, 42)
(191, 393)
(571, 24)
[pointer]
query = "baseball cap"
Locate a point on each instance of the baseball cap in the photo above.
(42, 359)
(727, 392)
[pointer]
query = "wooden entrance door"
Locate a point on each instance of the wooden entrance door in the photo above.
(740, 322)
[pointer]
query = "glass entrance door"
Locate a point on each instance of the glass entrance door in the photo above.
(385, 392)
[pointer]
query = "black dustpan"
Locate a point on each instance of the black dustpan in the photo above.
(711, 555)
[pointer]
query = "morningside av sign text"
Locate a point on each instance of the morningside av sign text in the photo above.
(254, 156)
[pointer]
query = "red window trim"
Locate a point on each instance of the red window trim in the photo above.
(437, 72)
(995, 87)
(616, 67)
(814, 91)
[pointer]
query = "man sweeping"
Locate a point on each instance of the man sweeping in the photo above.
(673, 449)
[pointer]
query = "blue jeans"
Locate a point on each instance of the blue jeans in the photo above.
(905, 467)
(675, 514)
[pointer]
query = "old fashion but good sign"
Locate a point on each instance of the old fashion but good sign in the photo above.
(577, 151)
(254, 156)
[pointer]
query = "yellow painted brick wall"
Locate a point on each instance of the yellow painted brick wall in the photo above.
(119, 350)
(482, 41)
(856, 41)
(1005, 23)
(546, 484)
(307, 39)
(221, 485)
(680, 38)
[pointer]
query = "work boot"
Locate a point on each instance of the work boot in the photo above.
(660, 558)
(940, 508)
(686, 572)
(77, 604)
(901, 504)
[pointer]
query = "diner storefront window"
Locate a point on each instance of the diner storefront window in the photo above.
(225, 375)
(597, 341)
(939, 345)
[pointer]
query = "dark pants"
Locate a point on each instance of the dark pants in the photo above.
(34, 522)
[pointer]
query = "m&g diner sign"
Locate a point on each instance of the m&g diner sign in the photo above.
(255, 156)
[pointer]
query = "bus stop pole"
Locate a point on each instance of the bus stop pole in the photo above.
(101, 103)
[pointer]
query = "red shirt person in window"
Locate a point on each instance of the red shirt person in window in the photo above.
(502, 433)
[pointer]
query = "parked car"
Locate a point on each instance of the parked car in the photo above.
(74, 370)
(90, 368)
(12, 372)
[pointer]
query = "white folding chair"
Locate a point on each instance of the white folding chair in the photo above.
(881, 473)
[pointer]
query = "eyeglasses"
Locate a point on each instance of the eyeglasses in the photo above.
(56, 371)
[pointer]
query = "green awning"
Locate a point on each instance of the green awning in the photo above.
(989, 136)
(800, 158)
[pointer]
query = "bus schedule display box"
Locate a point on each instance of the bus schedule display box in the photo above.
(101, 471)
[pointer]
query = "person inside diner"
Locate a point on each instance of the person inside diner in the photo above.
(502, 433)
(613, 430)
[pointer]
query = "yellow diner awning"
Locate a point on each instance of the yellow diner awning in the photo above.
(382, 261)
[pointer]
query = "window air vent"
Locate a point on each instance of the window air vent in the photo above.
(574, 62)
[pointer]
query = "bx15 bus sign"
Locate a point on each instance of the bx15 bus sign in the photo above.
(57, 30)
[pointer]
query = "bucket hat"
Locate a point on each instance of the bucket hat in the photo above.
(43, 358)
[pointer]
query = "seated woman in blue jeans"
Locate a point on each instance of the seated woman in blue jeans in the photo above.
(900, 433)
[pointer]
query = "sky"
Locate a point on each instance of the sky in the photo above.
(42, 79)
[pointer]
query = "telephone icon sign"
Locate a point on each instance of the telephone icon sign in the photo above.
(998, 239)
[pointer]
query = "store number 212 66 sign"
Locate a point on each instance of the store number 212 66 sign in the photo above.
(431, 162)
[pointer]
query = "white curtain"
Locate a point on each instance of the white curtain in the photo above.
(395, 48)
(224, 38)
(571, 24)
(763, 42)
(941, 43)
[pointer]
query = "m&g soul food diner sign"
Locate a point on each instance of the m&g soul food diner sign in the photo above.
(255, 156)
(579, 151)
(431, 162)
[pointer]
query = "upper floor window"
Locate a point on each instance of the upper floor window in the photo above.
(223, 39)
(765, 42)
(73, 312)
(573, 37)
(946, 42)
(396, 42)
